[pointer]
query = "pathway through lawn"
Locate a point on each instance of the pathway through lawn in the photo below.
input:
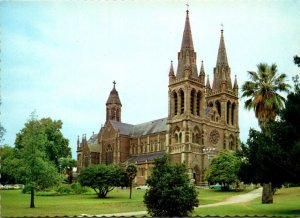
(232, 200)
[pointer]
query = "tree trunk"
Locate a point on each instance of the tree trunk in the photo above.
(267, 195)
(32, 198)
(130, 190)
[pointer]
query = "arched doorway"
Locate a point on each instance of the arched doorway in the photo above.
(197, 175)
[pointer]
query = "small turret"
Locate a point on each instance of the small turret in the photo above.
(235, 86)
(202, 74)
(171, 73)
(113, 105)
(208, 88)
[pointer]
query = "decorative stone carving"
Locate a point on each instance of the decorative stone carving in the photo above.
(214, 136)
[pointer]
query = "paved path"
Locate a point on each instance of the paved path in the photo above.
(232, 200)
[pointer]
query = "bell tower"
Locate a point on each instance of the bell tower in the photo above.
(113, 105)
(186, 107)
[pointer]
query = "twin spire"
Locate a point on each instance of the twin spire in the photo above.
(187, 60)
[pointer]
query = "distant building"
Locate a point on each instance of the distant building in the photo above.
(199, 116)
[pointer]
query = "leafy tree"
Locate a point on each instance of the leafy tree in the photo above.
(35, 169)
(297, 60)
(102, 178)
(263, 97)
(171, 192)
(66, 165)
(224, 169)
(55, 145)
(9, 165)
(131, 171)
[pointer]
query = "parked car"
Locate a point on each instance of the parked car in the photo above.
(144, 187)
(216, 186)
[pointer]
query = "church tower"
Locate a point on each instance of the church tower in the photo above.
(113, 105)
(186, 107)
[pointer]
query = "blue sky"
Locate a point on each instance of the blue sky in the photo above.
(60, 57)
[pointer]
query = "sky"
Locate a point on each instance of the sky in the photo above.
(61, 57)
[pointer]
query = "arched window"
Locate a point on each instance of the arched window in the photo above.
(228, 112)
(175, 103)
(232, 114)
(198, 102)
(231, 142)
(180, 137)
(109, 155)
(218, 106)
(113, 114)
(118, 115)
(181, 94)
(176, 138)
(192, 101)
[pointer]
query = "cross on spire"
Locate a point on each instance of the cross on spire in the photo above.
(114, 82)
(222, 27)
(187, 6)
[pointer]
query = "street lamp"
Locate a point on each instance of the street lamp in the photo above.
(210, 153)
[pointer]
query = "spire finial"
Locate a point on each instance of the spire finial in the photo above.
(187, 7)
(222, 27)
(114, 82)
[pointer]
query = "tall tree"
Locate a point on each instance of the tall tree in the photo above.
(297, 60)
(131, 171)
(35, 170)
(262, 93)
(55, 145)
(171, 191)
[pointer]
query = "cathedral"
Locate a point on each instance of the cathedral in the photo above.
(202, 121)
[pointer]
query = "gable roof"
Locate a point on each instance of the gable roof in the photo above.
(146, 157)
(147, 128)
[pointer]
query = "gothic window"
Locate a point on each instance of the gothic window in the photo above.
(228, 111)
(181, 94)
(141, 147)
(176, 138)
(232, 114)
(86, 160)
(198, 103)
(180, 137)
(231, 142)
(113, 114)
(175, 103)
(192, 101)
(109, 155)
(118, 115)
(218, 106)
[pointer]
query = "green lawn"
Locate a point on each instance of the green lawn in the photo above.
(14, 203)
(286, 203)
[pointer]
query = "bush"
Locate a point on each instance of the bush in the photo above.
(78, 189)
(64, 190)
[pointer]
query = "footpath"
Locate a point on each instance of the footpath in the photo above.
(232, 200)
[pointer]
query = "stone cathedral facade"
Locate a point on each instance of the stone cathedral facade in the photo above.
(201, 115)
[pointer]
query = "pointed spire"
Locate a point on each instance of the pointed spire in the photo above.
(208, 83)
(187, 40)
(202, 73)
(171, 72)
(113, 97)
(235, 86)
(222, 56)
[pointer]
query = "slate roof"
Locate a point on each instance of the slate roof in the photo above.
(147, 128)
(92, 143)
(146, 157)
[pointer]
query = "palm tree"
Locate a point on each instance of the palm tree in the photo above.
(262, 92)
(263, 97)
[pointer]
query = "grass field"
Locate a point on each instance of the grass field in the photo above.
(14, 203)
(286, 203)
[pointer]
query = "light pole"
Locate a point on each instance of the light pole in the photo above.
(210, 153)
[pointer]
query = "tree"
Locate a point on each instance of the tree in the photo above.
(55, 145)
(262, 93)
(35, 170)
(131, 171)
(297, 60)
(224, 169)
(263, 97)
(102, 178)
(171, 192)
(9, 165)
